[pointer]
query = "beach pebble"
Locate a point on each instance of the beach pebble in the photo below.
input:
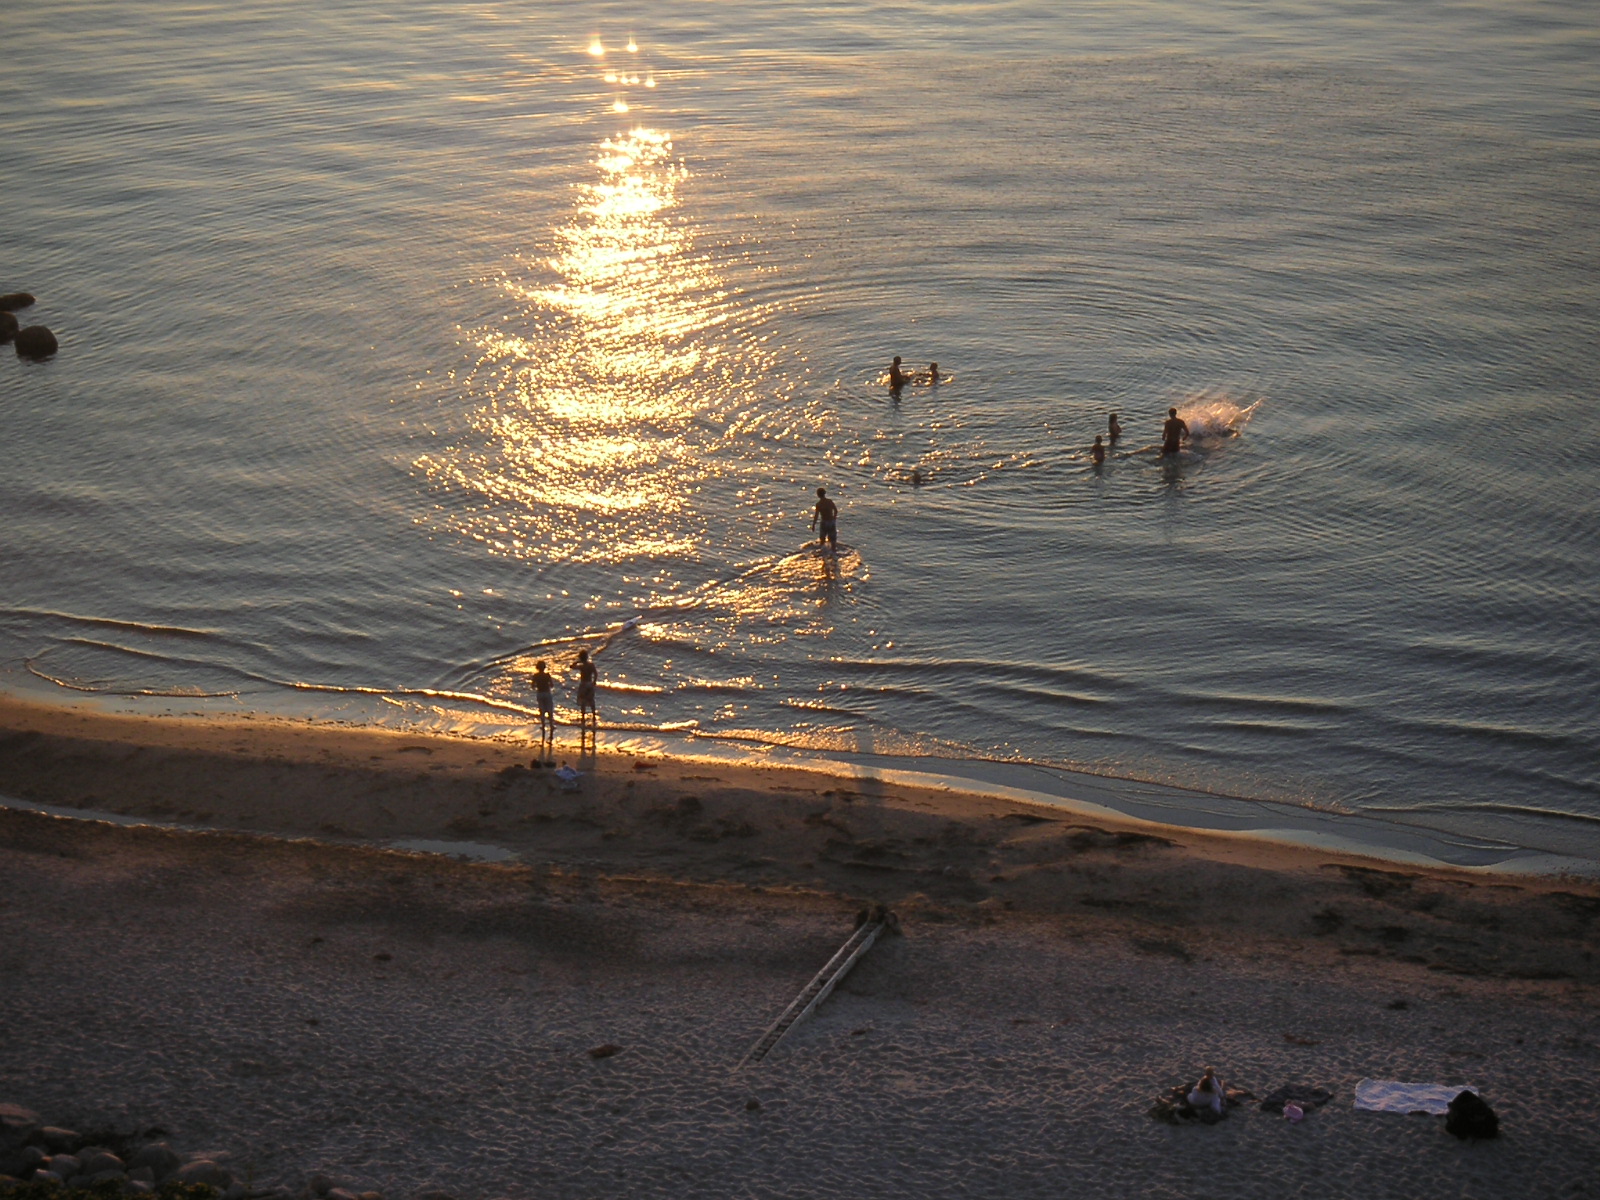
(12, 301)
(160, 1158)
(28, 1160)
(605, 1051)
(36, 342)
(17, 1121)
(142, 1175)
(205, 1171)
(64, 1166)
(319, 1184)
(340, 1193)
(102, 1160)
(138, 1187)
(44, 1176)
(58, 1140)
(86, 1179)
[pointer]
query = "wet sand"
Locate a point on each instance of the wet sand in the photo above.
(408, 1022)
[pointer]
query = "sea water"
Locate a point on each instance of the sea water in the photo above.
(405, 345)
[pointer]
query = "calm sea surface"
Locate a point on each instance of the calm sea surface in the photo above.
(404, 344)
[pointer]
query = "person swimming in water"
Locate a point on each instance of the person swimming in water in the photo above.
(1097, 452)
(933, 374)
(1114, 427)
(1173, 431)
(827, 513)
(897, 378)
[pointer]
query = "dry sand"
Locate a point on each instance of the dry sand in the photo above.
(407, 1022)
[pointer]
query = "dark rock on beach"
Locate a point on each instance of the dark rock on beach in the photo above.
(36, 342)
(12, 301)
(205, 1171)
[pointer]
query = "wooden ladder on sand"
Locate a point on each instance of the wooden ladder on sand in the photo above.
(871, 923)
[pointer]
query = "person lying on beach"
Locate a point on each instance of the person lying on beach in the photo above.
(1208, 1093)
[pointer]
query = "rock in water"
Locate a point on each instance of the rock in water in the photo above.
(12, 301)
(36, 342)
(161, 1159)
(203, 1170)
(8, 330)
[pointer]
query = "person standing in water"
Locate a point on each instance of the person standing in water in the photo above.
(1114, 428)
(543, 686)
(897, 378)
(827, 513)
(933, 374)
(1173, 431)
(1097, 452)
(586, 678)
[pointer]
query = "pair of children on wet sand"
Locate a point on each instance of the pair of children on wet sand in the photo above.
(544, 692)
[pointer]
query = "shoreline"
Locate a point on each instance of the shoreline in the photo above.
(1122, 800)
(873, 837)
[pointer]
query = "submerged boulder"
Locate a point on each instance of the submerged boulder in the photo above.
(12, 301)
(8, 327)
(36, 342)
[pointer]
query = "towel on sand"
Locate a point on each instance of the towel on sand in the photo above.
(1390, 1095)
(1308, 1098)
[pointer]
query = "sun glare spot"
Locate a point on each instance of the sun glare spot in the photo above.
(596, 47)
(619, 105)
(633, 46)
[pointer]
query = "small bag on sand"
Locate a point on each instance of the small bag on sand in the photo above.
(1470, 1117)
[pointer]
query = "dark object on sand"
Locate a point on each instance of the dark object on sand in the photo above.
(12, 301)
(1308, 1098)
(1470, 1117)
(8, 327)
(605, 1051)
(36, 342)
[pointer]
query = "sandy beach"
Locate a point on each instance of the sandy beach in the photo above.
(282, 988)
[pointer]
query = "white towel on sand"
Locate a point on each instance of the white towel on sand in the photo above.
(1390, 1095)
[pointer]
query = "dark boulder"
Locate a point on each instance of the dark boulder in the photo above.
(36, 342)
(8, 327)
(12, 301)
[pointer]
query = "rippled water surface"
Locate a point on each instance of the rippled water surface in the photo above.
(402, 348)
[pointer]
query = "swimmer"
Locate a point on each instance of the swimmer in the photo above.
(933, 374)
(1097, 451)
(897, 378)
(827, 512)
(1208, 1093)
(1114, 427)
(1173, 431)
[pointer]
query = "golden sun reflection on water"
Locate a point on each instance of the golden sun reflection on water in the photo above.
(605, 400)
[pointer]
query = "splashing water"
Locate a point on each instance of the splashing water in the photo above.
(1214, 416)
